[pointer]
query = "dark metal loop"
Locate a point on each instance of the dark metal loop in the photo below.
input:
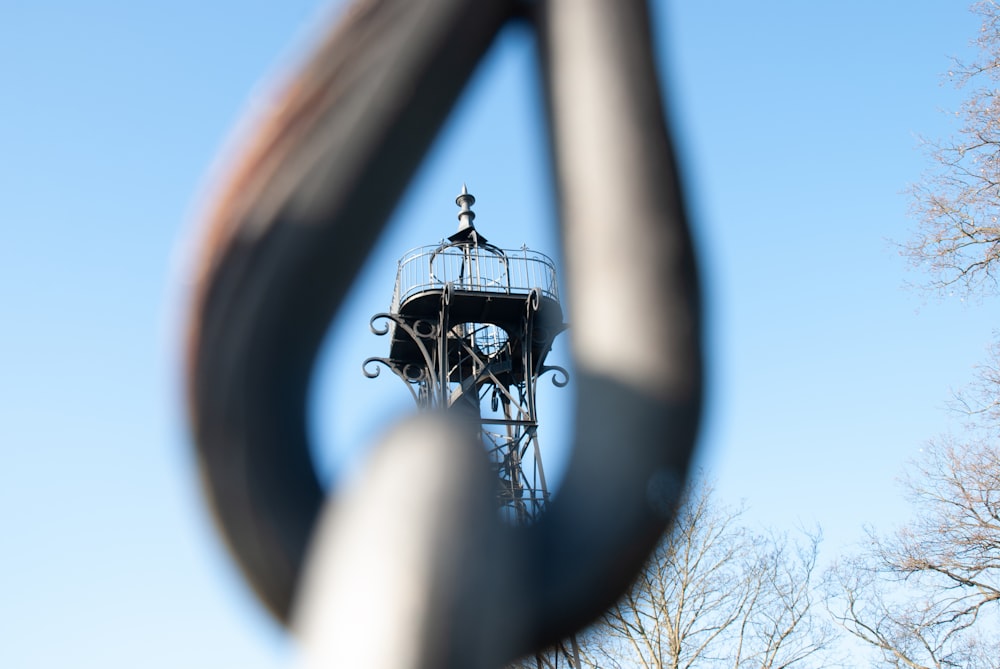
(425, 329)
(300, 212)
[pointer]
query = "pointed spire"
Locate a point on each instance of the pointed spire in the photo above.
(466, 228)
(466, 216)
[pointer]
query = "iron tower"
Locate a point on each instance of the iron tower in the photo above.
(470, 327)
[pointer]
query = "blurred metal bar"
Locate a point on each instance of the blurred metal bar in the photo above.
(291, 227)
(411, 593)
(632, 288)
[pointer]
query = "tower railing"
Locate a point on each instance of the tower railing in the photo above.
(474, 268)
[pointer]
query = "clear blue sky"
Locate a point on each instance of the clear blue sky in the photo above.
(798, 126)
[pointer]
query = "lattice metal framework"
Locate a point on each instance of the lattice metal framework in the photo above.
(470, 327)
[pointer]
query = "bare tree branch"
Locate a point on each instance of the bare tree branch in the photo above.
(928, 595)
(957, 202)
(716, 595)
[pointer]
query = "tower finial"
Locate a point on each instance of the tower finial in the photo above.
(466, 216)
(467, 233)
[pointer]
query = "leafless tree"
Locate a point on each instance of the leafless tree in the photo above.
(980, 402)
(928, 595)
(957, 203)
(563, 655)
(714, 595)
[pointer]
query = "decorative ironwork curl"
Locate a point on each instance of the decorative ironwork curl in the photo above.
(380, 331)
(410, 330)
(409, 376)
(556, 381)
(422, 328)
(402, 374)
(534, 299)
(431, 331)
(376, 371)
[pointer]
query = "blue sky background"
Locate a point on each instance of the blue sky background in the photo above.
(797, 124)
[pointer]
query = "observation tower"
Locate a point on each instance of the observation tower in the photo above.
(470, 327)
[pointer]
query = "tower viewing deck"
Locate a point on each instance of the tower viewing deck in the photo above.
(478, 293)
(483, 285)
